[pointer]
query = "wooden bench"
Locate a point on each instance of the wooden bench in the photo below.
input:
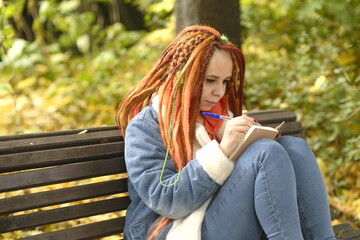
(89, 165)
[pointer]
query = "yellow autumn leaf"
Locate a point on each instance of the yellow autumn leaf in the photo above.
(158, 36)
(283, 105)
(59, 102)
(27, 82)
(319, 82)
(57, 58)
(311, 98)
(346, 58)
(41, 68)
(322, 165)
(336, 222)
(6, 105)
(111, 238)
(31, 233)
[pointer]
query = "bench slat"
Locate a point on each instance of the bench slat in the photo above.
(45, 143)
(47, 176)
(58, 133)
(89, 231)
(71, 194)
(63, 214)
(272, 116)
(350, 235)
(346, 232)
(288, 127)
(300, 135)
(47, 158)
(342, 227)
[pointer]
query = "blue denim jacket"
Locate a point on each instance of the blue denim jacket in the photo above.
(144, 156)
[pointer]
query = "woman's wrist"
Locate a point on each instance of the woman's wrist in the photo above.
(225, 150)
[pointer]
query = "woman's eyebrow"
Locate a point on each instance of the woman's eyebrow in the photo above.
(212, 76)
(216, 77)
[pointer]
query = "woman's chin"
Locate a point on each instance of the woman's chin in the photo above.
(205, 109)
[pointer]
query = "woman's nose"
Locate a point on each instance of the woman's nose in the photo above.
(218, 90)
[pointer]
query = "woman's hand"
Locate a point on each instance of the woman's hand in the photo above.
(235, 129)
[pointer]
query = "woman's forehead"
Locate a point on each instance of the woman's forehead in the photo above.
(220, 61)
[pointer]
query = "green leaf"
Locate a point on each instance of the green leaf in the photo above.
(8, 43)
(83, 43)
(7, 31)
(69, 6)
(5, 88)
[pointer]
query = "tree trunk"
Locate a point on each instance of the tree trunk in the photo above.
(224, 16)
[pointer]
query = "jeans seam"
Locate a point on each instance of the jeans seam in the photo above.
(304, 218)
(272, 203)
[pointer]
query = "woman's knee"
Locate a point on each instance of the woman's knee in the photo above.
(267, 148)
(297, 149)
(291, 141)
(262, 151)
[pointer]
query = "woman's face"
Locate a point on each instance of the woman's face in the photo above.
(218, 74)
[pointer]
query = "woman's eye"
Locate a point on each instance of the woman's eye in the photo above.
(226, 81)
(210, 80)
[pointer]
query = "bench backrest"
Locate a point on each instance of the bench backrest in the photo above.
(73, 184)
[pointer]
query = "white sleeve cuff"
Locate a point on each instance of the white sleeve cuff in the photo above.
(214, 162)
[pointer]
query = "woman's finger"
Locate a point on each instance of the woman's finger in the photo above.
(236, 129)
(241, 122)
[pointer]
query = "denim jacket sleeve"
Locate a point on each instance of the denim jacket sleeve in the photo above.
(144, 156)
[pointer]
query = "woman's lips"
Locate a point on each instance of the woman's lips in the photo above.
(211, 103)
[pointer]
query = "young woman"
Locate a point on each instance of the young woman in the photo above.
(181, 182)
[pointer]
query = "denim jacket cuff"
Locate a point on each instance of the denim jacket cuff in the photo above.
(214, 162)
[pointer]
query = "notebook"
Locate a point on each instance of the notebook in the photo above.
(255, 132)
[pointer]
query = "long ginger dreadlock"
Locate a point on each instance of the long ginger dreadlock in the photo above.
(177, 78)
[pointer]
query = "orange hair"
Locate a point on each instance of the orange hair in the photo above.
(177, 78)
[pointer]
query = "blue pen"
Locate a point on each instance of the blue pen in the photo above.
(216, 116)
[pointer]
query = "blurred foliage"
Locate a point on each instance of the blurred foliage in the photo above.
(156, 12)
(305, 56)
(6, 31)
(52, 86)
(301, 55)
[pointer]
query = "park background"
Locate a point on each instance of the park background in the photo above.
(67, 65)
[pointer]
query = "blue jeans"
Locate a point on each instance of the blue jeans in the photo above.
(276, 187)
